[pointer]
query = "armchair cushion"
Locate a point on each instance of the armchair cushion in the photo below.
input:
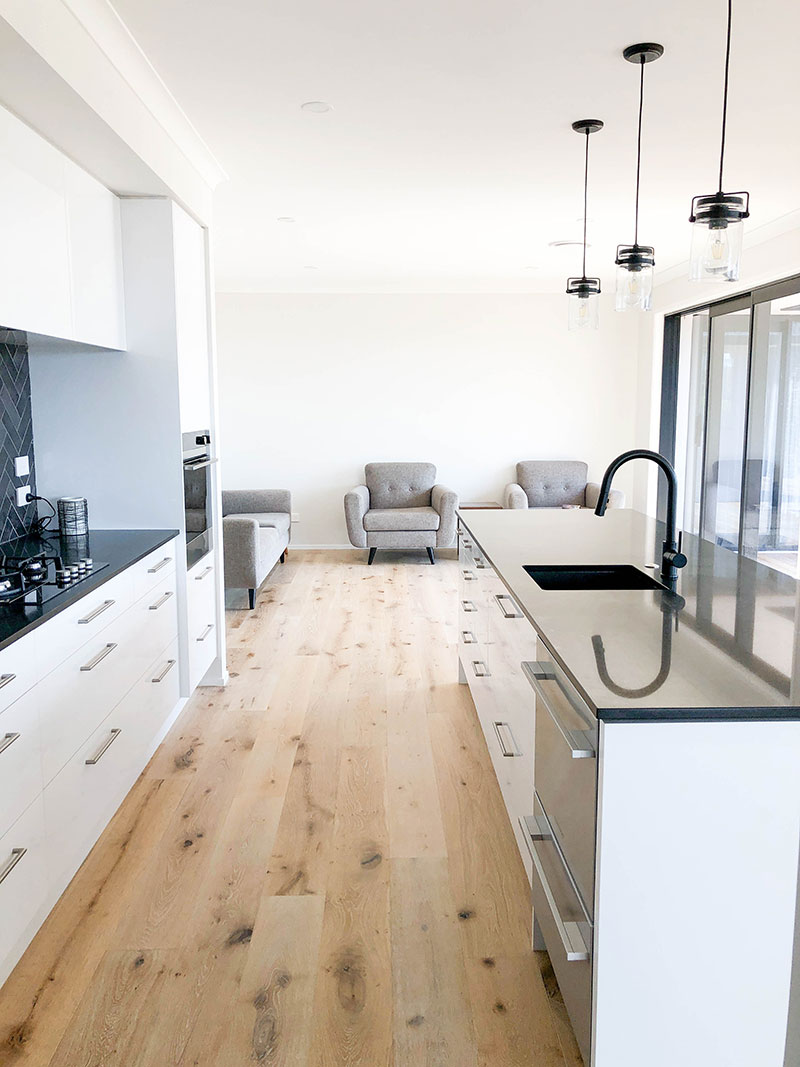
(445, 501)
(255, 501)
(399, 485)
(279, 520)
(552, 483)
(356, 505)
(401, 519)
(616, 498)
(514, 496)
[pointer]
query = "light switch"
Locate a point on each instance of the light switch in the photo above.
(22, 495)
(22, 466)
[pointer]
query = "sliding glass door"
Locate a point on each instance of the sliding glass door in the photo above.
(737, 423)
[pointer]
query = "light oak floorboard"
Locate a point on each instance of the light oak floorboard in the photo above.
(315, 870)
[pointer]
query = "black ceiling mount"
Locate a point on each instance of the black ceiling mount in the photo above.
(587, 125)
(643, 53)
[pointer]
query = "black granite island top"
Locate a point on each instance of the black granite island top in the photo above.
(726, 647)
(117, 548)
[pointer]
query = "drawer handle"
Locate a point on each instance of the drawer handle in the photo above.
(479, 563)
(468, 637)
(484, 670)
(158, 566)
(161, 601)
(206, 572)
(106, 745)
(469, 576)
(580, 742)
(8, 741)
(576, 950)
(165, 671)
(206, 632)
(16, 856)
(466, 544)
(512, 611)
(97, 611)
(6, 679)
(507, 750)
(101, 655)
(468, 605)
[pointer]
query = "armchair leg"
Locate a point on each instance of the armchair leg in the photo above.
(252, 595)
(283, 556)
(372, 552)
(431, 556)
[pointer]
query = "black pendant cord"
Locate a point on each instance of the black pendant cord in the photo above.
(725, 93)
(639, 151)
(585, 199)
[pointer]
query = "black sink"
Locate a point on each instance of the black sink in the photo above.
(614, 576)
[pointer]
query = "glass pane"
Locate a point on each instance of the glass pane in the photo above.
(727, 399)
(690, 420)
(772, 507)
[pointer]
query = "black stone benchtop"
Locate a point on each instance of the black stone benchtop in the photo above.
(727, 648)
(118, 548)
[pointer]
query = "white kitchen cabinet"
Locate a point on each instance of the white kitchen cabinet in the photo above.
(24, 885)
(20, 758)
(34, 268)
(95, 259)
(61, 274)
(191, 320)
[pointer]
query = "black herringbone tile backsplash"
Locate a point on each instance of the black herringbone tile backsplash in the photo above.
(16, 432)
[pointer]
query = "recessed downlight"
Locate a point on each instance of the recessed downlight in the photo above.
(316, 107)
(310, 266)
(284, 218)
(567, 244)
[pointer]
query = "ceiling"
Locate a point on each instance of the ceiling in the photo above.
(447, 162)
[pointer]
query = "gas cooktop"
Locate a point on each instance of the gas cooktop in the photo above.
(37, 578)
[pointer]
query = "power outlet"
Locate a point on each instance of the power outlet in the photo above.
(295, 516)
(22, 495)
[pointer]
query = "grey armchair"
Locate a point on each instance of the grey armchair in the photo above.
(555, 483)
(400, 506)
(256, 530)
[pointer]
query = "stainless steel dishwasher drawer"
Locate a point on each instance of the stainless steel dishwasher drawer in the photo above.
(565, 772)
(561, 923)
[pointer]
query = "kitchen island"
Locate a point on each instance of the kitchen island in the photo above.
(647, 744)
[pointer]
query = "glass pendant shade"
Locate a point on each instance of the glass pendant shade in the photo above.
(583, 303)
(634, 289)
(717, 233)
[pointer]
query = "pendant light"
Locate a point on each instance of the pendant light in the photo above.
(718, 219)
(635, 262)
(584, 292)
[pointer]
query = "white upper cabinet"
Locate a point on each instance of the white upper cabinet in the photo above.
(191, 319)
(61, 269)
(95, 256)
(34, 266)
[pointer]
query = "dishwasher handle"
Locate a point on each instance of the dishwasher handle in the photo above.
(580, 742)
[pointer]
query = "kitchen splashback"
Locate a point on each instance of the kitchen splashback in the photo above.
(16, 432)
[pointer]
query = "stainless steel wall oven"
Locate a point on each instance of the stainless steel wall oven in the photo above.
(197, 493)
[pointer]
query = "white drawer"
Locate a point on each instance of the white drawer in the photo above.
(20, 758)
(200, 586)
(202, 650)
(77, 696)
(18, 669)
(83, 797)
(155, 617)
(61, 636)
(24, 887)
(151, 702)
(152, 570)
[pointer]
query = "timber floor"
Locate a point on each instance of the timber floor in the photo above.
(316, 868)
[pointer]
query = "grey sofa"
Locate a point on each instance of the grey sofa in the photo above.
(400, 506)
(555, 483)
(256, 530)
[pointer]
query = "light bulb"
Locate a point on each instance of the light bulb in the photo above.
(583, 308)
(716, 252)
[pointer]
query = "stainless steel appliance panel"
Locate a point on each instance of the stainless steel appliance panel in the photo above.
(565, 771)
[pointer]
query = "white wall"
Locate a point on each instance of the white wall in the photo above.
(314, 386)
